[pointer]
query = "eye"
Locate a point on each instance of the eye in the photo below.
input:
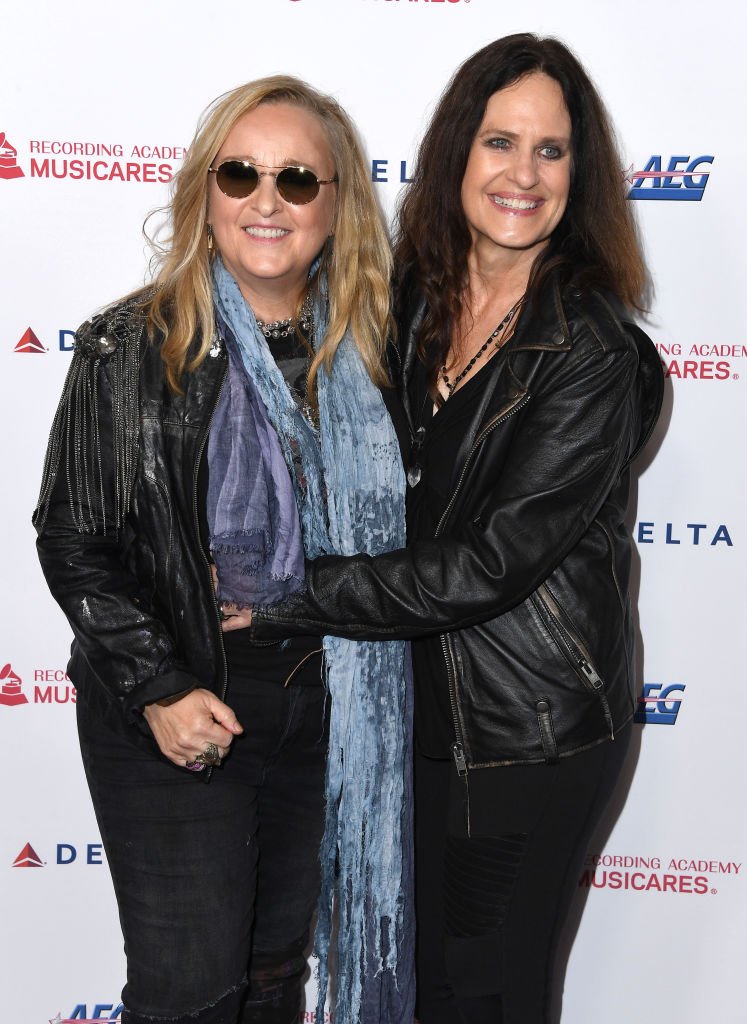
(552, 152)
(497, 142)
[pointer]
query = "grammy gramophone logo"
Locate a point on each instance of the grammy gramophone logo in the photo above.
(10, 687)
(8, 159)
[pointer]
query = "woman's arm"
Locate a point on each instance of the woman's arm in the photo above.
(82, 524)
(82, 528)
(577, 432)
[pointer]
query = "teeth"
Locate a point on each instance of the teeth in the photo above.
(515, 204)
(266, 232)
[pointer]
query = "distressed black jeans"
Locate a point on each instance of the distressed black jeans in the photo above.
(216, 883)
(491, 902)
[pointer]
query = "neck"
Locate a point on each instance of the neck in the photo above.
(497, 275)
(272, 304)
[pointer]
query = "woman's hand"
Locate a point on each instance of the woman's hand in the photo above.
(184, 729)
(231, 617)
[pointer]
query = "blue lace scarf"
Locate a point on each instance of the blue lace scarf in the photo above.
(349, 493)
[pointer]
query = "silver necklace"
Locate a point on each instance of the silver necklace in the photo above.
(282, 328)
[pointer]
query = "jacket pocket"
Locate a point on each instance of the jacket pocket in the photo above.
(572, 646)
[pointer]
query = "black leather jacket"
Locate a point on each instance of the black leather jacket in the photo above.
(118, 536)
(524, 585)
(117, 522)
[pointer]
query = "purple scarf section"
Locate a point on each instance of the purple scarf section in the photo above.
(255, 532)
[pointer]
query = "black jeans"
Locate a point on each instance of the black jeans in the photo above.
(491, 905)
(216, 883)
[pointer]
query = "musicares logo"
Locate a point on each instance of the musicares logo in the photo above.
(8, 163)
(28, 858)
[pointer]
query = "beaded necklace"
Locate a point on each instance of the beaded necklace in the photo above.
(452, 384)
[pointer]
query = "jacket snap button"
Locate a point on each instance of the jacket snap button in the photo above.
(543, 706)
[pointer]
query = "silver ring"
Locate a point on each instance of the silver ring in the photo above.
(210, 757)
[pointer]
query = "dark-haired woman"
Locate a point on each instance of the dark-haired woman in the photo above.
(529, 390)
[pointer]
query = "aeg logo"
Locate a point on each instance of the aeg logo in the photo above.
(657, 706)
(101, 1011)
(683, 179)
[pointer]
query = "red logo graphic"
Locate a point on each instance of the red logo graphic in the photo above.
(30, 343)
(28, 858)
(8, 165)
(10, 690)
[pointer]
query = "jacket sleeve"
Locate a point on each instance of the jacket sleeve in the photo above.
(82, 525)
(576, 433)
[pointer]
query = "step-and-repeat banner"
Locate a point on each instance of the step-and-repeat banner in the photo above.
(98, 106)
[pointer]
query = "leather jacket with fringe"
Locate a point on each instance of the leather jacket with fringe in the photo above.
(118, 535)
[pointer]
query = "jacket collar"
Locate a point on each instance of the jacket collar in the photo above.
(546, 314)
(543, 325)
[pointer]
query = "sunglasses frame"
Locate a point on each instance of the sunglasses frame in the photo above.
(271, 174)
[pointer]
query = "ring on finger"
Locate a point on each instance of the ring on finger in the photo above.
(210, 756)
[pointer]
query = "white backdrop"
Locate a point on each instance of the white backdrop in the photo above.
(119, 89)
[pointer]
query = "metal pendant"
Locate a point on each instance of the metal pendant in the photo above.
(414, 469)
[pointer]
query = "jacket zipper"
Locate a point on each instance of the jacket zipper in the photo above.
(576, 650)
(457, 748)
(206, 563)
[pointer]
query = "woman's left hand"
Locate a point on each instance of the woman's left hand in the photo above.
(233, 617)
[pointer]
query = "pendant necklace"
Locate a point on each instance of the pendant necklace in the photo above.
(414, 469)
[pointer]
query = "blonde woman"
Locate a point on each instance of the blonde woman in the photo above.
(215, 431)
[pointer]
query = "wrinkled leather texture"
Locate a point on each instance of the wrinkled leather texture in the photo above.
(140, 599)
(525, 589)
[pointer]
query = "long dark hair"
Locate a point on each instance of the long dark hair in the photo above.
(593, 246)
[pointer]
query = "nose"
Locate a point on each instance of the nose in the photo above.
(524, 169)
(265, 197)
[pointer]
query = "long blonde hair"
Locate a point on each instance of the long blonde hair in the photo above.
(357, 263)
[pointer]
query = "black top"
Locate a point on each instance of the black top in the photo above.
(292, 355)
(444, 433)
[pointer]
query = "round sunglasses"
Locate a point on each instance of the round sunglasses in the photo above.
(296, 185)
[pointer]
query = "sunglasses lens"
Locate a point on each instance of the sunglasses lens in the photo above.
(237, 179)
(298, 186)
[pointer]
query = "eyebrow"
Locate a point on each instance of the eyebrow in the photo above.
(548, 140)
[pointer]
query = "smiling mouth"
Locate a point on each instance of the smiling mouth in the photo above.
(516, 204)
(257, 232)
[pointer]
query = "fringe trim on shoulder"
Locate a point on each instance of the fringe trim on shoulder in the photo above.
(100, 471)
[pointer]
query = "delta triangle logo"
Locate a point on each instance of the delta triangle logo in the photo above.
(10, 687)
(30, 343)
(8, 164)
(28, 858)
